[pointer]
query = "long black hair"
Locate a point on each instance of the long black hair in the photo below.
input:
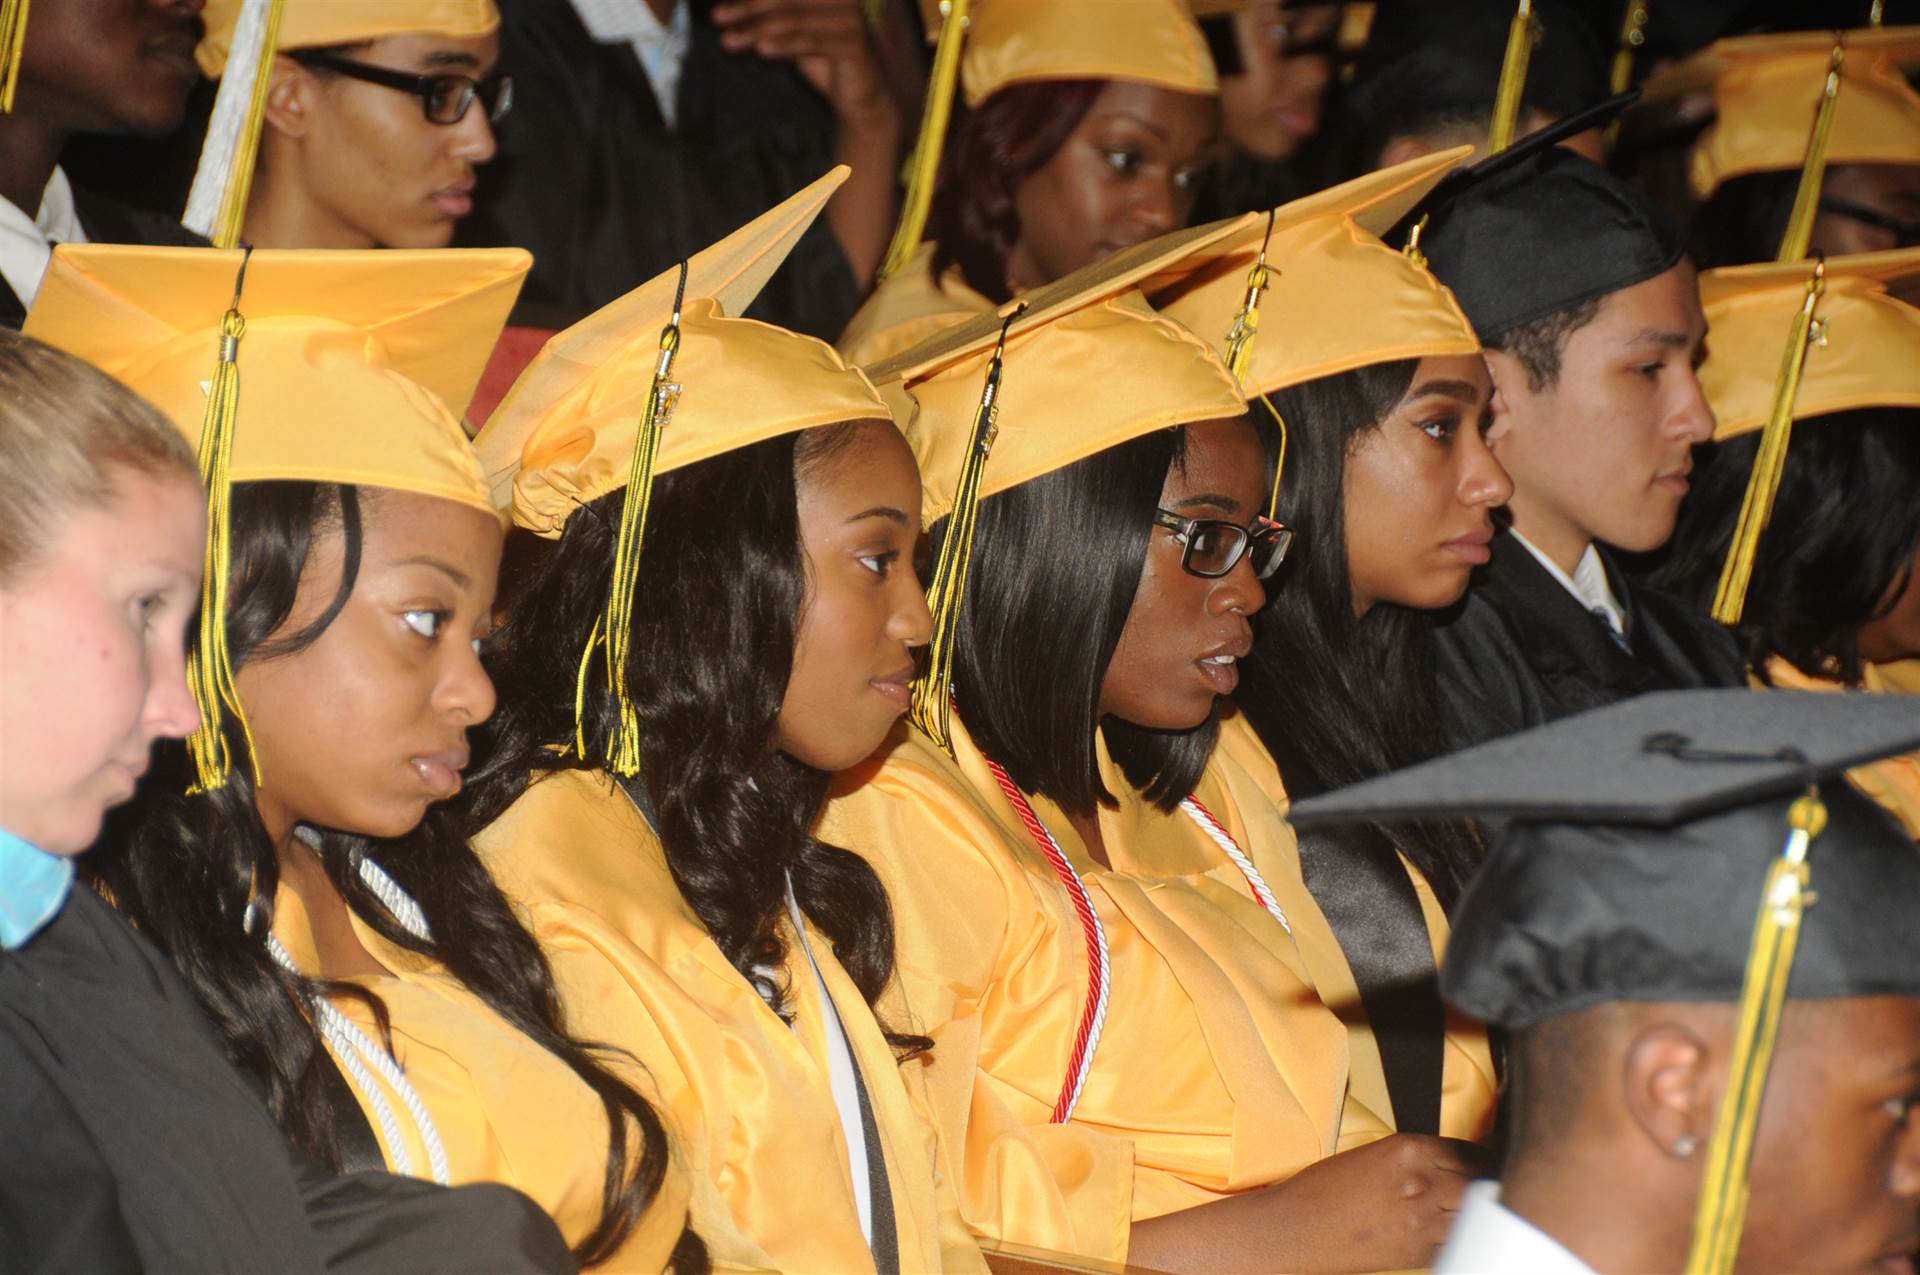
(716, 619)
(1056, 558)
(192, 866)
(1743, 220)
(1841, 540)
(1334, 698)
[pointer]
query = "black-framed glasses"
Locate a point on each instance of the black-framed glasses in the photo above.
(1906, 234)
(444, 98)
(1211, 547)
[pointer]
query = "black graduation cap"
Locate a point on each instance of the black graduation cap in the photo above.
(1537, 229)
(1642, 836)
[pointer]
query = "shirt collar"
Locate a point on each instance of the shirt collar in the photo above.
(1488, 1238)
(1588, 584)
(33, 885)
(26, 243)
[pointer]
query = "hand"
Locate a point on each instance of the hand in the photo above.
(1385, 1206)
(826, 40)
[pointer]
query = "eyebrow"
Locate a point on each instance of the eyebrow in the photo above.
(882, 511)
(450, 57)
(1140, 122)
(1214, 498)
(1465, 391)
(1664, 337)
(447, 569)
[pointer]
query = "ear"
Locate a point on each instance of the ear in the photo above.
(291, 97)
(1509, 379)
(1668, 1091)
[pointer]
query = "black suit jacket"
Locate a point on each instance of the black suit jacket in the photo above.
(1520, 651)
(108, 221)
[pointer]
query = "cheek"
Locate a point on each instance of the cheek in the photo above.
(829, 717)
(378, 162)
(1151, 680)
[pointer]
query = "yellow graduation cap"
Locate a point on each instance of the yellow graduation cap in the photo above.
(337, 367)
(1766, 89)
(664, 377)
(987, 406)
(317, 24)
(1023, 41)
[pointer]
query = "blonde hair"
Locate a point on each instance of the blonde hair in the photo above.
(67, 431)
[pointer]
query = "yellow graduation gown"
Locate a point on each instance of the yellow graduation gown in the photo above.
(906, 308)
(506, 1109)
(1895, 782)
(748, 1098)
(1218, 1070)
(1243, 789)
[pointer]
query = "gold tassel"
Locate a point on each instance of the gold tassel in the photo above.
(209, 664)
(1280, 462)
(1721, 1213)
(1633, 34)
(933, 689)
(924, 167)
(1877, 15)
(1513, 79)
(613, 630)
(1412, 250)
(1730, 598)
(1246, 324)
(1813, 174)
(233, 202)
(13, 43)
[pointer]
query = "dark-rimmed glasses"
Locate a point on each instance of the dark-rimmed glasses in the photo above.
(444, 98)
(1906, 234)
(1211, 547)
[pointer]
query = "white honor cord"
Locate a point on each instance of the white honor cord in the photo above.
(398, 902)
(1262, 893)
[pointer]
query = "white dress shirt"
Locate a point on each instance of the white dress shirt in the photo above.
(1488, 1238)
(661, 47)
(26, 243)
(1588, 583)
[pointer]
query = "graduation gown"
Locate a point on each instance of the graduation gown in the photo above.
(747, 1097)
(593, 182)
(1218, 1069)
(108, 221)
(506, 1109)
(1520, 651)
(907, 307)
(133, 1145)
(1895, 782)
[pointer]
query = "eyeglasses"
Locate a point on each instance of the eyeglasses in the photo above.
(1213, 546)
(1906, 234)
(444, 98)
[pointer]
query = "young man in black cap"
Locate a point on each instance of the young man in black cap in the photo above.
(1610, 933)
(1581, 292)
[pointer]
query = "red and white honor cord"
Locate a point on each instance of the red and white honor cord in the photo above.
(1093, 1016)
(1262, 893)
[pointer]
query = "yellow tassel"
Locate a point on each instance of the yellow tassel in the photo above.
(1730, 598)
(1633, 34)
(933, 689)
(1280, 462)
(1513, 79)
(1721, 1213)
(1412, 250)
(1246, 324)
(924, 167)
(1813, 174)
(233, 202)
(1877, 15)
(209, 665)
(614, 629)
(13, 43)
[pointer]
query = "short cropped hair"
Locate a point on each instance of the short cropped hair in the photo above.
(1539, 344)
(67, 431)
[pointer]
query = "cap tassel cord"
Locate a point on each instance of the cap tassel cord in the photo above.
(223, 182)
(1730, 598)
(1633, 34)
(924, 167)
(1280, 462)
(209, 664)
(1813, 174)
(1724, 1191)
(933, 689)
(613, 630)
(13, 43)
(1513, 79)
(1246, 324)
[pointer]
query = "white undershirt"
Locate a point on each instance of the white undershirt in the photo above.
(26, 243)
(661, 47)
(1588, 583)
(1488, 1238)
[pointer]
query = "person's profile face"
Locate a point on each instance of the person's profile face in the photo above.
(865, 611)
(1273, 105)
(112, 66)
(1128, 172)
(93, 657)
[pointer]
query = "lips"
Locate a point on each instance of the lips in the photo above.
(1472, 548)
(1675, 480)
(176, 48)
(455, 201)
(440, 771)
(1219, 667)
(896, 688)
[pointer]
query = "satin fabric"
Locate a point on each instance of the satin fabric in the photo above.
(1218, 1070)
(1895, 782)
(906, 308)
(747, 1098)
(506, 1109)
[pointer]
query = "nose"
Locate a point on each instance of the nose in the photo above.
(170, 711)
(1156, 207)
(1693, 420)
(473, 135)
(185, 8)
(466, 691)
(1483, 479)
(1905, 1181)
(1239, 592)
(911, 622)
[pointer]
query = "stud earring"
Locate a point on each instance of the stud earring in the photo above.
(1685, 1145)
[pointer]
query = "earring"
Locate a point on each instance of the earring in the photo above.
(1685, 1145)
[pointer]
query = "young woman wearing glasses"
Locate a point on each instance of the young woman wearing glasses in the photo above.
(376, 119)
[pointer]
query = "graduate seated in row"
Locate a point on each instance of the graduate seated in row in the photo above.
(729, 613)
(391, 1007)
(1658, 1122)
(132, 1143)
(1129, 1058)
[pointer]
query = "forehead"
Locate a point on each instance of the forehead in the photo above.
(1222, 456)
(427, 52)
(1668, 302)
(868, 465)
(1165, 109)
(400, 524)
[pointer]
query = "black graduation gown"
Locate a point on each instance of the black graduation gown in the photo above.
(108, 221)
(1520, 650)
(593, 182)
(130, 1144)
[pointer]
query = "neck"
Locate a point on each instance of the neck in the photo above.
(29, 149)
(1558, 1196)
(281, 214)
(1563, 543)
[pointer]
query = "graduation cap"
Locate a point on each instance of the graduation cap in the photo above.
(664, 377)
(1659, 853)
(1538, 229)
